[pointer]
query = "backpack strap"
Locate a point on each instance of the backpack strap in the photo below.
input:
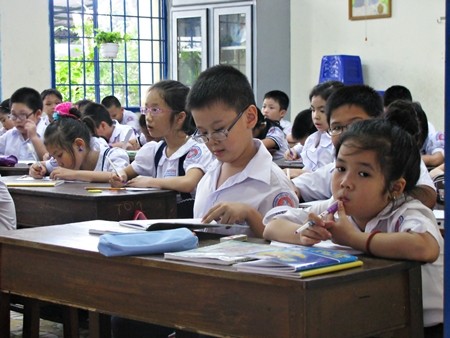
(105, 154)
(181, 172)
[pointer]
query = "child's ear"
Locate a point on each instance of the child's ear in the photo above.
(251, 116)
(397, 187)
(38, 113)
(79, 142)
(283, 112)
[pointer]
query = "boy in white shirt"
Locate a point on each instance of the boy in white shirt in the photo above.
(243, 183)
(275, 107)
(119, 113)
(25, 140)
(114, 132)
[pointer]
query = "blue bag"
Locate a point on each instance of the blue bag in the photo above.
(147, 243)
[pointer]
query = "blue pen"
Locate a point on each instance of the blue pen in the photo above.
(331, 210)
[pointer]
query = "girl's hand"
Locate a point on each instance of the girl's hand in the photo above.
(317, 232)
(63, 174)
(342, 230)
(227, 213)
(117, 181)
(37, 170)
(141, 182)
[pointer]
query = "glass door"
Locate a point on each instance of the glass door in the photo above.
(189, 45)
(233, 38)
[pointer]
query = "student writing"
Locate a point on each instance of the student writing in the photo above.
(75, 153)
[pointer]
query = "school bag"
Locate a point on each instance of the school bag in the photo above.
(185, 207)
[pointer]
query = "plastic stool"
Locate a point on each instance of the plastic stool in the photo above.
(344, 68)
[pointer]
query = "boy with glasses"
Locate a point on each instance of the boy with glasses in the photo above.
(25, 140)
(243, 183)
(345, 106)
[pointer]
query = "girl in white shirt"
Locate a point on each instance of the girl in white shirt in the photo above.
(75, 153)
(377, 165)
(181, 162)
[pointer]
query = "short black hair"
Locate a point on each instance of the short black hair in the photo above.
(279, 96)
(221, 84)
(5, 107)
(51, 91)
(28, 96)
(303, 125)
(396, 92)
(111, 101)
(362, 96)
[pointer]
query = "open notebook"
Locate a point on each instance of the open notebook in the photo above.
(28, 181)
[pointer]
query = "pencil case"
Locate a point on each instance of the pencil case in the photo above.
(147, 242)
(8, 160)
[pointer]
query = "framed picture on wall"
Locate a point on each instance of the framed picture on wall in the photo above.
(369, 9)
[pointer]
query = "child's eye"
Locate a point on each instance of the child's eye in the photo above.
(340, 169)
(363, 174)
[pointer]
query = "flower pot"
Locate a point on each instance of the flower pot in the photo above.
(109, 50)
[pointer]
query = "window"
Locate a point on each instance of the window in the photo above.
(78, 69)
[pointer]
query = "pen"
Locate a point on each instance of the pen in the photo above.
(331, 210)
(113, 166)
(127, 138)
(36, 159)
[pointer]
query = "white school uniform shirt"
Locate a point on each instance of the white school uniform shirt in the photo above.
(316, 185)
(435, 143)
(13, 143)
(131, 119)
(286, 125)
(318, 151)
(8, 219)
(198, 156)
(277, 135)
(409, 215)
(119, 133)
(261, 184)
(118, 156)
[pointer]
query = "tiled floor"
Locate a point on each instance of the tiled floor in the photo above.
(47, 329)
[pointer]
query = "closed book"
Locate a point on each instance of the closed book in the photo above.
(28, 181)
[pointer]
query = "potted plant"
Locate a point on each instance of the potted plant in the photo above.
(109, 42)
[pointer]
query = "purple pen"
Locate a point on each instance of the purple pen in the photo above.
(331, 210)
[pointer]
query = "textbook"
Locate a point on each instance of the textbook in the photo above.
(298, 261)
(28, 181)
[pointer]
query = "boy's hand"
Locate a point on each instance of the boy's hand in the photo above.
(226, 213)
(290, 155)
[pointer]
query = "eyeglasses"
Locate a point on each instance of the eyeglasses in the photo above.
(152, 111)
(20, 117)
(338, 130)
(218, 135)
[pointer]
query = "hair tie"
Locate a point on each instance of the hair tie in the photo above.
(63, 110)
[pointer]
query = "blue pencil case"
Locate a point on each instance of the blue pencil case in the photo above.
(147, 242)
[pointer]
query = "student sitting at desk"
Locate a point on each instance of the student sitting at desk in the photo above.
(7, 123)
(116, 134)
(345, 106)
(377, 167)
(177, 162)
(25, 140)
(75, 154)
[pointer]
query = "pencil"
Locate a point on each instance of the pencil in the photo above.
(113, 166)
(103, 188)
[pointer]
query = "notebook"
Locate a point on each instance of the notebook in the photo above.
(28, 181)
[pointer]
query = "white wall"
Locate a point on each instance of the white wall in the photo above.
(406, 49)
(24, 45)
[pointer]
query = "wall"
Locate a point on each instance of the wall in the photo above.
(406, 49)
(24, 45)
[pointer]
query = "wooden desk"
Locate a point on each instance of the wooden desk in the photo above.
(382, 298)
(70, 202)
(19, 169)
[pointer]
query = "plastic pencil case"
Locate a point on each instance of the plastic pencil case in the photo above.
(8, 160)
(147, 243)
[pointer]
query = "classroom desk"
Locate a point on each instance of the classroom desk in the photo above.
(19, 169)
(382, 298)
(70, 202)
